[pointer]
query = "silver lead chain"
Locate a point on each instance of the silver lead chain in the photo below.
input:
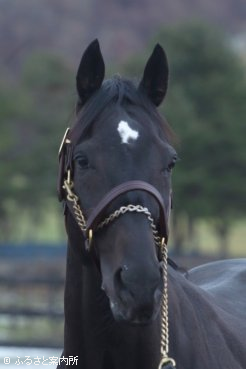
(160, 243)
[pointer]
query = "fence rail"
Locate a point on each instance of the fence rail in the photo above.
(31, 290)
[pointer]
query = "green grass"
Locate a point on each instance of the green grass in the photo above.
(45, 227)
(49, 227)
(237, 237)
(208, 242)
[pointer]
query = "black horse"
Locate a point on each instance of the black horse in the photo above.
(115, 164)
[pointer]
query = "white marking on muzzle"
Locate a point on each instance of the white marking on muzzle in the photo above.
(126, 132)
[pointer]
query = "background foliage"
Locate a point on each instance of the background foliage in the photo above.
(205, 106)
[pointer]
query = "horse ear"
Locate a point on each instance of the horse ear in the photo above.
(90, 72)
(155, 77)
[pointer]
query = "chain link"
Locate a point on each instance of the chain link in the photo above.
(164, 305)
(68, 185)
(160, 243)
(132, 208)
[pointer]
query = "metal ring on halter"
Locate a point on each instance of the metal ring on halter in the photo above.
(68, 184)
(69, 177)
(88, 240)
(166, 360)
(90, 237)
(64, 140)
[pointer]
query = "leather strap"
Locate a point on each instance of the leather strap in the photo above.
(65, 162)
(60, 177)
(68, 143)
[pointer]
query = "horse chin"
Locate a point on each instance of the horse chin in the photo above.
(138, 318)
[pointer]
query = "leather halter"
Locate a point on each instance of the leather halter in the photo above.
(99, 212)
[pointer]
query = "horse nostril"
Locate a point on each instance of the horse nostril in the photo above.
(123, 277)
(119, 279)
(122, 286)
(132, 282)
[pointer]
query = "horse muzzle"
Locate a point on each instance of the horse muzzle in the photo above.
(136, 298)
(136, 314)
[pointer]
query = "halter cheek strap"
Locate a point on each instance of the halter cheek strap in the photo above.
(65, 164)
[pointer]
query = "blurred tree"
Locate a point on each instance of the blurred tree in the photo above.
(49, 82)
(206, 106)
(33, 114)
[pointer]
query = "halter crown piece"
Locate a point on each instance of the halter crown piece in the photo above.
(97, 220)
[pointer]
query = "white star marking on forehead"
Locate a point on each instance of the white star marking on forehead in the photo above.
(126, 132)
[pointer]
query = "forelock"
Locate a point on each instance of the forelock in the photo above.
(120, 93)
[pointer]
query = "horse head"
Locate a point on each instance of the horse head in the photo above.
(119, 136)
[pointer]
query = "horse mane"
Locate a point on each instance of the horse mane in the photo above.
(116, 93)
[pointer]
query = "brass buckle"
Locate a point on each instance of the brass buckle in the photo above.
(64, 140)
(89, 239)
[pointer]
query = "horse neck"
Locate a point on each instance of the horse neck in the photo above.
(196, 325)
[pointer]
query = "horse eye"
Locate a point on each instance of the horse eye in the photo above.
(171, 165)
(83, 162)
